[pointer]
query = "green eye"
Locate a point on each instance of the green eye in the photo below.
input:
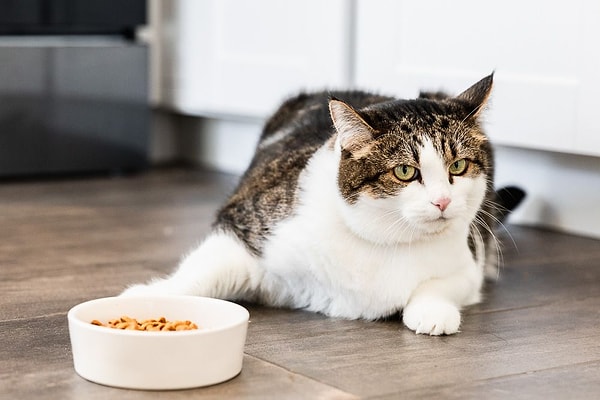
(458, 167)
(406, 173)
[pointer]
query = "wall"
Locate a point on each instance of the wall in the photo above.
(563, 189)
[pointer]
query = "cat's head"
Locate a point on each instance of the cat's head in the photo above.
(410, 169)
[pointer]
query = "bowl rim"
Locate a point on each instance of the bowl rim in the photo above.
(75, 320)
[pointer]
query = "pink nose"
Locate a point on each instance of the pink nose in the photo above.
(441, 203)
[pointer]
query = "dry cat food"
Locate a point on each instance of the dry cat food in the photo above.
(160, 324)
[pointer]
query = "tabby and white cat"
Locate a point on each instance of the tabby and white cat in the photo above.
(357, 205)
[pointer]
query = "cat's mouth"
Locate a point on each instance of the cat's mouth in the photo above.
(437, 225)
(440, 218)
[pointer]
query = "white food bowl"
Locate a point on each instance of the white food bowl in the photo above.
(158, 360)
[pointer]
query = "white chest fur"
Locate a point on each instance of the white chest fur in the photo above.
(315, 261)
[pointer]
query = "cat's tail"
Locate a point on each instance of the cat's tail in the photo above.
(508, 199)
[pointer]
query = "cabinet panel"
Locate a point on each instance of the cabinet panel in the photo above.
(537, 49)
(589, 69)
(243, 58)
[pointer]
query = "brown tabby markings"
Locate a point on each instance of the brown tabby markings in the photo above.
(398, 135)
(267, 193)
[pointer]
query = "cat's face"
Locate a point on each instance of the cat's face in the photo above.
(411, 169)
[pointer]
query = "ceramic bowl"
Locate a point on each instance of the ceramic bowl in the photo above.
(158, 360)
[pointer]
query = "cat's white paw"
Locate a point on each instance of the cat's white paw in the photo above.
(432, 317)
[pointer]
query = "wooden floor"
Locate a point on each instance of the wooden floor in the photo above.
(63, 242)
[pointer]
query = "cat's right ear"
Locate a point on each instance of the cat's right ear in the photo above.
(353, 132)
(477, 95)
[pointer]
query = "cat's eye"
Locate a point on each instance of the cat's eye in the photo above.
(458, 167)
(406, 173)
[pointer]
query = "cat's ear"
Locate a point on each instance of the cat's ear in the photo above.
(477, 95)
(353, 132)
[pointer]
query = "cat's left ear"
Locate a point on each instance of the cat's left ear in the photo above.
(353, 132)
(477, 95)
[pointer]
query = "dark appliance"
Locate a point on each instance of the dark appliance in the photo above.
(73, 86)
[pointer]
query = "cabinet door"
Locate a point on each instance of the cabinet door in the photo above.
(244, 57)
(543, 52)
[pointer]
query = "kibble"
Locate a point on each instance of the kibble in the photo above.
(160, 324)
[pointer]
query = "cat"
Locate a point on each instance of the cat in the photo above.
(358, 206)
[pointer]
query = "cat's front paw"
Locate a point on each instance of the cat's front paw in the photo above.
(432, 317)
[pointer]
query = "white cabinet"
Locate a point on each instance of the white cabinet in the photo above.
(242, 58)
(545, 54)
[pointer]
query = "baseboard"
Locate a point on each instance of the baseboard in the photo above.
(563, 190)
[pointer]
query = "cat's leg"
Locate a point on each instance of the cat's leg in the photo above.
(434, 307)
(220, 267)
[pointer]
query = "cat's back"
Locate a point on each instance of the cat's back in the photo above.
(304, 120)
(266, 193)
